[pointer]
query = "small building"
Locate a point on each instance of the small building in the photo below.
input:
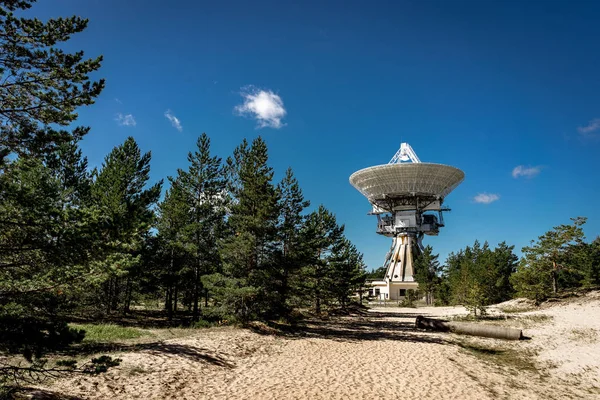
(389, 290)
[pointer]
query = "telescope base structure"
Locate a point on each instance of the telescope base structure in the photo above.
(399, 264)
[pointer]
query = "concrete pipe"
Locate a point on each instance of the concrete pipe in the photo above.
(464, 328)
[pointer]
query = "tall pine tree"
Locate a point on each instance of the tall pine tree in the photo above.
(120, 193)
(202, 188)
(320, 235)
(249, 254)
(291, 220)
(427, 273)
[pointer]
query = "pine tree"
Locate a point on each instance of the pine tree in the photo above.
(291, 206)
(478, 276)
(547, 260)
(41, 85)
(48, 247)
(120, 193)
(504, 265)
(319, 236)
(249, 253)
(202, 188)
(172, 218)
(346, 272)
(49, 231)
(427, 270)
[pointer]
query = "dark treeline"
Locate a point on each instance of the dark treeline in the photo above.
(478, 275)
(233, 242)
(227, 242)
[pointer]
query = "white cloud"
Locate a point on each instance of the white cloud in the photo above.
(118, 101)
(590, 128)
(486, 198)
(527, 172)
(174, 120)
(125, 120)
(263, 105)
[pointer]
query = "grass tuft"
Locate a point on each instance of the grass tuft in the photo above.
(109, 332)
(589, 335)
(515, 360)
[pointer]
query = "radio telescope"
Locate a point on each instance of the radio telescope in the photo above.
(407, 196)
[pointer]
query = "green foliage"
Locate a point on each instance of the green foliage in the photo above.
(249, 254)
(42, 85)
(585, 261)
(320, 236)
(101, 364)
(192, 222)
(202, 323)
(49, 231)
(478, 276)
(48, 246)
(107, 332)
(427, 273)
(119, 192)
(376, 274)
(347, 271)
(290, 257)
(476, 299)
(558, 256)
(409, 299)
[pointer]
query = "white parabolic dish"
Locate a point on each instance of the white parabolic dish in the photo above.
(406, 180)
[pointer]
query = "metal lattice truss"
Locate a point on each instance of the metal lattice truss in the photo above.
(405, 153)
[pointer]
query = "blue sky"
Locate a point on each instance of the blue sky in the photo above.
(481, 85)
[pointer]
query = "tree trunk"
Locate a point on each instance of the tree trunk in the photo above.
(554, 277)
(169, 299)
(175, 300)
(128, 290)
(283, 293)
(115, 295)
(492, 331)
(169, 302)
(205, 297)
(107, 294)
(196, 308)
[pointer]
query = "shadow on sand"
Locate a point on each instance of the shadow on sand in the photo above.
(373, 325)
(41, 394)
(156, 348)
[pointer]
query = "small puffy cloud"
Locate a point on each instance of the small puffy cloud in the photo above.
(263, 105)
(527, 172)
(486, 198)
(174, 120)
(125, 120)
(592, 129)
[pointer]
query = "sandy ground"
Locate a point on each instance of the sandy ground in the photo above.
(363, 356)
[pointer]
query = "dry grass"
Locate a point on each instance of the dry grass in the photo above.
(514, 361)
(588, 335)
(517, 309)
(520, 321)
